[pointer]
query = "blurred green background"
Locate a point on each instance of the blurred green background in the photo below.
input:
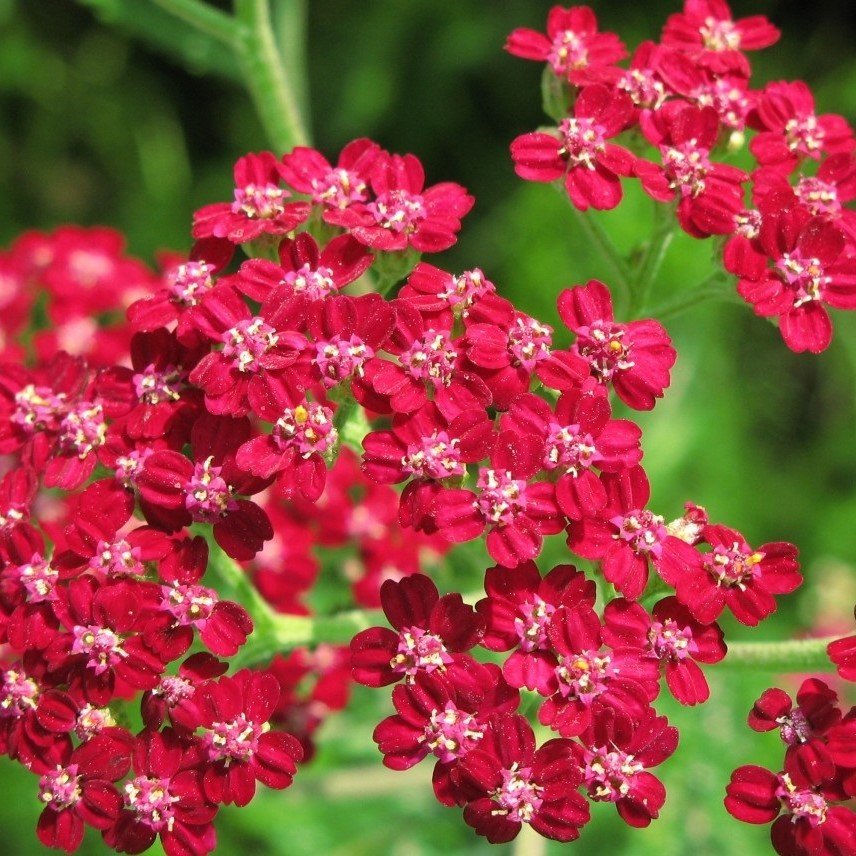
(99, 125)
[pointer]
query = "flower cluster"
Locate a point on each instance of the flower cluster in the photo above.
(302, 379)
(689, 101)
(804, 800)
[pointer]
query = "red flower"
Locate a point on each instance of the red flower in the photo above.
(508, 782)
(429, 632)
(813, 265)
(842, 653)
(709, 194)
(577, 438)
(429, 367)
(625, 536)
(80, 791)
(516, 511)
(165, 798)
(671, 635)
(185, 283)
(304, 272)
(103, 644)
(805, 820)
(590, 166)
(709, 34)
(440, 297)
(792, 131)
(404, 213)
(588, 681)
(258, 352)
(446, 717)
(260, 206)
(572, 43)
(237, 741)
(175, 491)
(518, 611)
(735, 576)
(504, 347)
(614, 757)
(635, 358)
(333, 188)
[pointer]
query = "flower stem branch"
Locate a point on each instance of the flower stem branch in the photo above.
(269, 84)
(794, 655)
(274, 633)
(652, 260)
(607, 250)
(213, 22)
(709, 289)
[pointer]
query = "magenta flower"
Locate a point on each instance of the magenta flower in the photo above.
(259, 208)
(516, 511)
(256, 355)
(572, 43)
(578, 438)
(812, 265)
(732, 575)
(614, 757)
(580, 155)
(805, 817)
(504, 347)
(429, 633)
(440, 297)
(709, 194)
(672, 636)
(429, 367)
(517, 612)
(334, 188)
(588, 681)
(507, 782)
(404, 213)
(791, 130)
(635, 358)
(185, 282)
(707, 32)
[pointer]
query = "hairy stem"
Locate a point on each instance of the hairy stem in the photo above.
(269, 84)
(793, 655)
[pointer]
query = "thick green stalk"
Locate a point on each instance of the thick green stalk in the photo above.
(794, 655)
(269, 84)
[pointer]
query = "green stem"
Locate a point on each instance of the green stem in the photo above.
(652, 260)
(607, 250)
(709, 289)
(795, 655)
(213, 22)
(274, 633)
(269, 85)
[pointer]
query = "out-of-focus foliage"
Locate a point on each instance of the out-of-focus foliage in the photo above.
(97, 127)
